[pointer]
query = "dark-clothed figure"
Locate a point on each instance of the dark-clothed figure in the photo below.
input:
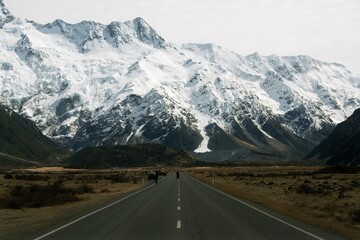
(156, 177)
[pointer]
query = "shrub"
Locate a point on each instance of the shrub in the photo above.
(41, 195)
(117, 178)
(85, 188)
(32, 177)
(270, 183)
(237, 174)
(338, 170)
(306, 188)
(15, 203)
(8, 176)
(135, 180)
(105, 190)
(17, 190)
(355, 215)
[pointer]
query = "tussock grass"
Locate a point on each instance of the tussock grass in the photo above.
(20, 190)
(326, 196)
(36, 195)
(36, 199)
(355, 215)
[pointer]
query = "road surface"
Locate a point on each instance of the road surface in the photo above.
(183, 209)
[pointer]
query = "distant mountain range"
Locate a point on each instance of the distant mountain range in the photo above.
(90, 84)
(23, 145)
(342, 147)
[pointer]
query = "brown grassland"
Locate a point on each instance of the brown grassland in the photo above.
(33, 200)
(326, 197)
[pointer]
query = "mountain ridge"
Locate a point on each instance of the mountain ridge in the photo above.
(20, 138)
(5, 15)
(342, 147)
(90, 84)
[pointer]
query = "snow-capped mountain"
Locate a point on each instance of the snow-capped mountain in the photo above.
(91, 84)
(5, 15)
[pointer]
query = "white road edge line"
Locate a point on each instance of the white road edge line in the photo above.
(178, 224)
(87, 215)
(265, 213)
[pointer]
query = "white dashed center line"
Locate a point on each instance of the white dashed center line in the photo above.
(178, 225)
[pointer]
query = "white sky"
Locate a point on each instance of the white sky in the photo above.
(328, 30)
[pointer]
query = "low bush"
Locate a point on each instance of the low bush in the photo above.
(338, 170)
(306, 188)
(37, 195)
(8, 176)
(32, 177)
(137, 179)
(355, 215)
(105, 190)
(85, 188)
(238, 174)
(117, 178)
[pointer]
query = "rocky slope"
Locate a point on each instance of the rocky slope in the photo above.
(90, 84)
(20, 138)
(342, 147)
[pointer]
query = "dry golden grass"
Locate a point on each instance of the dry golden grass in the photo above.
(312, 194)
(104, 186)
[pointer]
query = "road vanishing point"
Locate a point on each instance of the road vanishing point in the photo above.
(183, 209)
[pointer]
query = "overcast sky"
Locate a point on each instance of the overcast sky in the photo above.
(328, 30)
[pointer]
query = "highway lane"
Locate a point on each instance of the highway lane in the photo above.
(184, 209)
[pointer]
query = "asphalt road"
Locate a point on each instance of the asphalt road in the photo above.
(184, 209)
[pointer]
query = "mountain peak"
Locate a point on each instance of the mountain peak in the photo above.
(255, 56)
(146, 33)
(5, 15)
(116, 33)
(140, 20)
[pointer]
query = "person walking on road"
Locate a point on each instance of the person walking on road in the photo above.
(177, 175)
(156, 177)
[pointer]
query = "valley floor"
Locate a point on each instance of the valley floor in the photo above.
(78, 192)
(326, 197)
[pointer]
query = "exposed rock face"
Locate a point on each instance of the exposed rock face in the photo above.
(5, 15)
